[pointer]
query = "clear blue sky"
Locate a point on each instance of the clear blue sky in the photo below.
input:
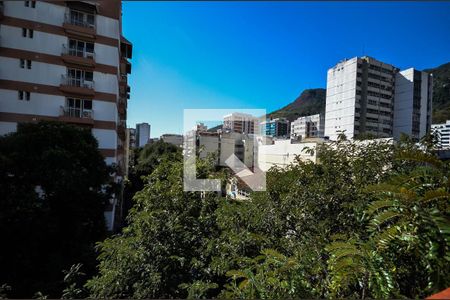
(263, 54)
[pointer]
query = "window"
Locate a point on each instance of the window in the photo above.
(25, 61)
(81, 48)
(33, 4)
(82, 19)
(24, 95)
(80, 108)
(29, 31)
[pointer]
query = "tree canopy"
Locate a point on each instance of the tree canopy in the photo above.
(54, 187)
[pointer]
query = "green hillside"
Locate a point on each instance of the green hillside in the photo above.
(309, 102)
(441, 93)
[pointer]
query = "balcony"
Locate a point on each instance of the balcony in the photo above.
(121, 126)
(78, 56)
(73, 24)
(78, 86)
(76, 116)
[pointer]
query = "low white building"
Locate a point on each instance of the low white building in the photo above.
(442, 131)
(282, 153)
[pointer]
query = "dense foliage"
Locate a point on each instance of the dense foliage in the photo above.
(369, 220)
(441, 93)
(53, 192)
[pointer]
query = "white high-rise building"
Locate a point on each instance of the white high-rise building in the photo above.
(67, 61)
(360, 98)
(443, 133)
(142, 134)
(366, 97)
(413, 103)
(308, 126)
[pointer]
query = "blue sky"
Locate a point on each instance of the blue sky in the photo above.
(261, 55)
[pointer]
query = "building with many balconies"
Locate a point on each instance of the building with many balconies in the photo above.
(67, 61)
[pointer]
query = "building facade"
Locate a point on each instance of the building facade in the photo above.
(240, 123)
(278, 127)
(308, 127)
(67, 61)
(442, 132)
(360, 98)
(142, 134)
(413, 103)
(368, 97)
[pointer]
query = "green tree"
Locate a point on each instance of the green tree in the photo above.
(163, 248)
(54, 186)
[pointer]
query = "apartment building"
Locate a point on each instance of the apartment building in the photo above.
(442, 132)
(67, 61)
(142, 134)
(278, 127)
(369, 97)
(240, 123)
(360, 98)
(308, 127)
(413, 103)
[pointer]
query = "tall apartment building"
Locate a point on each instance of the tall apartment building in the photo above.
(240, 123)
(278, 127)
(67, 61)
(308, 127)
(443, 133)
(360, 98)
(413, 100)
(368, 97)
(142, 134)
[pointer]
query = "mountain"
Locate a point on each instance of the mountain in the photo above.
(215, 128)
(441, 93)
(310, 102)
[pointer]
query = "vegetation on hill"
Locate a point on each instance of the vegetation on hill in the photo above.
(309, 102)
(441, 93)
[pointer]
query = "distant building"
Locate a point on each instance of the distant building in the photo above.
(442, 131)
(369, 97)
(174, 139)
(201, 127)
(142, 134)
(412, 105)
(240, 123)
(278, 127)
(308, 127)
(360, 98)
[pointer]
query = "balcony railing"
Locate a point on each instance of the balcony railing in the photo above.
(77, 52)
(76, 82)
(73, 20)
(76, 112)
